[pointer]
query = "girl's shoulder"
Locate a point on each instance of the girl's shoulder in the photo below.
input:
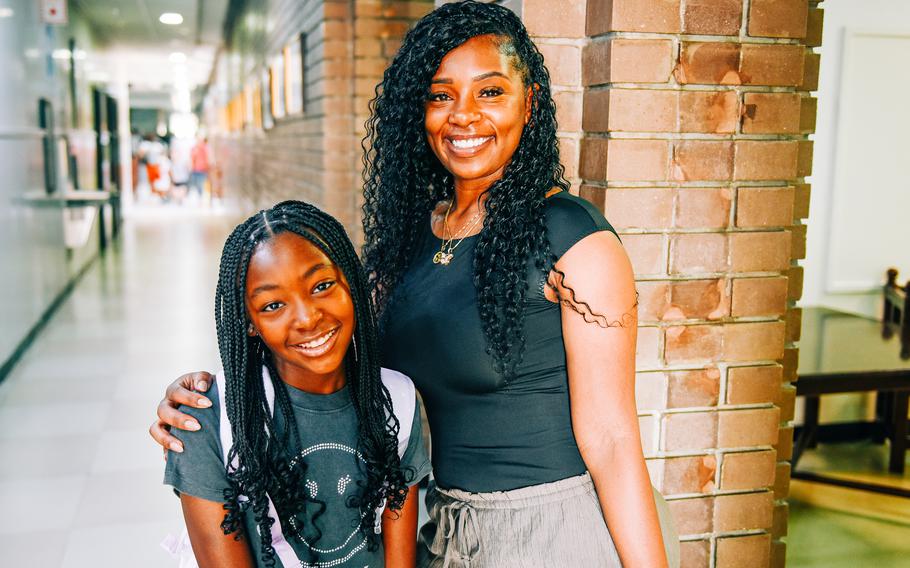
(212, 414)
(401, 388)
(404, 405)
(569, 219)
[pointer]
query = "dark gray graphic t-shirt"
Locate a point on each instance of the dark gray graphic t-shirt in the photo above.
(328, 435)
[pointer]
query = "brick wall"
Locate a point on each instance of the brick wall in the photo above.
(379, 29)
(316, 156)
(264, 167)
(694, 117)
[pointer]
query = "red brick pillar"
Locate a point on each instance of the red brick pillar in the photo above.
(379, 26)
(694, 142)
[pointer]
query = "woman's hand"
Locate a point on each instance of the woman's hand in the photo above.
(185, 390)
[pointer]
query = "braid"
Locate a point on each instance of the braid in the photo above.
(265, 454)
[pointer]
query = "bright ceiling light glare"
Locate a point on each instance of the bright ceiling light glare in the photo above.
(171, 18)
(177, 57)
(61, 54)
(6, 12)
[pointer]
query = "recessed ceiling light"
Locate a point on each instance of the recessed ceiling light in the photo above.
(6, 12)
(171, 18)
(61, 54)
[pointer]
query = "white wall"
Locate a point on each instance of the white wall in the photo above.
(841, 16)
(36, 264)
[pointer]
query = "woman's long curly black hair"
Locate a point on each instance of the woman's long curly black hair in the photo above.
(404, 179)
(264, 455)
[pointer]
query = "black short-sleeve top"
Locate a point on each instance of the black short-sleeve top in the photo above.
(488, 434)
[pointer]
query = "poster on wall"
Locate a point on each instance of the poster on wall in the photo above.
(276, 74)
(53, 12)
(294, 61)
(265, 91)
(249, 112)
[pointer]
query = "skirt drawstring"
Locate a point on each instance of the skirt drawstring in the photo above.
(457, 538)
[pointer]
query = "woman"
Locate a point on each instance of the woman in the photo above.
(509, 302)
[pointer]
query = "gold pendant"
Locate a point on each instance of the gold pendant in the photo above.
(442, 258)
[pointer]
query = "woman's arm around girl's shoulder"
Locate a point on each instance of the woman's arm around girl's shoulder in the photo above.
(198, 477)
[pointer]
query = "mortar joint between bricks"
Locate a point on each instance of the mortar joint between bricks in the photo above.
(569, 42)
(743, 532)
(692, 538)
(567, 89)
(747, 40)
(728, 408)
(744, 19)
(665, 455)
(723, 407)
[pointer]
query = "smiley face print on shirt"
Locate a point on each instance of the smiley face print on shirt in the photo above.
(333, 469)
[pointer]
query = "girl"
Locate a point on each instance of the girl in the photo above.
(323, 450)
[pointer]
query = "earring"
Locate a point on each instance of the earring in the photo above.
(250, 330)
(354, 345)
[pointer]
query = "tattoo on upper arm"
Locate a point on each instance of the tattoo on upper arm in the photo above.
(567, 297)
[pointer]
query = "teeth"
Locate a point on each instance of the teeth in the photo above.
(318, 341)
(469, 143)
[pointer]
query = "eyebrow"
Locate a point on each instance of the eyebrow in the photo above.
(480, 77)
(267, 287)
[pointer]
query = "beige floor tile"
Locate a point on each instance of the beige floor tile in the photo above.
(136, 496)
(46, 458)
(133, 545)
(40, 504)
(40, 549)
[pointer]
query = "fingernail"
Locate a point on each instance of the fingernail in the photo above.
(191, 425)
(201, 386)
(175, 447)
(204, 403)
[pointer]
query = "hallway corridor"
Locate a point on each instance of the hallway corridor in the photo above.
(80, 479)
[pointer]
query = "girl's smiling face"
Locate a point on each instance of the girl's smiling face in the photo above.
(300, 306)
(476, 110)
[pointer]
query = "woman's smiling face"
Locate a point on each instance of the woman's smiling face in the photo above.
(476, 110)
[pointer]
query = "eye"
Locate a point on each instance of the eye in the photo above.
(323, 286)
(438, 97)
(491, 92)
(271, 306)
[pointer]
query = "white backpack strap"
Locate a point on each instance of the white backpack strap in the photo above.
(404, 401)
(283, 549)
(227, 438)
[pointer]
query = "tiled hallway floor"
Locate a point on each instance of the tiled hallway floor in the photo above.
(833, 527)
(80, 478)
(822, 538)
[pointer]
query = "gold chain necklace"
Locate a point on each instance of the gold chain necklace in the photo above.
(447, 249)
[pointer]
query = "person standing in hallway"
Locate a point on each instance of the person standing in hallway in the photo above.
(199, 158)
(324, 448)
(510, 302)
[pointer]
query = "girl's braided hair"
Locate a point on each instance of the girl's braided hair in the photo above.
(262, 453)
(404, 179)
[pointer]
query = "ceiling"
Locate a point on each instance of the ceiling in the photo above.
(135, 22)
(133, 47)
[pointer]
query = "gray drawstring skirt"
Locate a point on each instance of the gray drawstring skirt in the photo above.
(558, 524)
